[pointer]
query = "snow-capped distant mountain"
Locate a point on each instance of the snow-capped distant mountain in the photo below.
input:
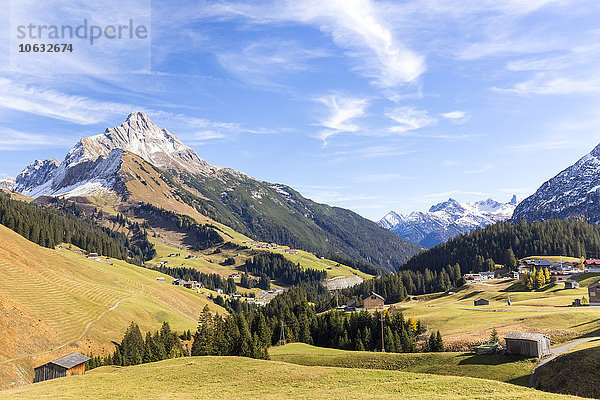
(446, 220)
(7, 183)
(574, 192)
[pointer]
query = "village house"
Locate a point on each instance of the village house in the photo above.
(92, 255)
(480, 301)
(594, 294)
(592, 265)
(527, 344)
(235, 276)
(160, 279)
(487, 275)
(480, 277)
(71, 364)
(373, 301)
(189, 284)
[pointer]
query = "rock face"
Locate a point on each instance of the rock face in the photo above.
(574, 192)
(446, 220)
(141, 136)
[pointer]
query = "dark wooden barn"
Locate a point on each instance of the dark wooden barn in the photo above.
(527, 344)
(71, 364)
(480, 301)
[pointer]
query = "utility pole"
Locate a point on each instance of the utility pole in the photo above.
(282, 335)
(382, 342)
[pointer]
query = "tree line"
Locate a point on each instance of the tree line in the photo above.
(297, 315)
(134, 349)
(276, 266)
(49, 227)
(502, 241)
(202, 237)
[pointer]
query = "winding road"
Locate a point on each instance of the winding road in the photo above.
(555, 353)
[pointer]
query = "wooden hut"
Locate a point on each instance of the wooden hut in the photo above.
(594, 294)
(527, 344)
(71, 364)
(373, 301)
(480, 301)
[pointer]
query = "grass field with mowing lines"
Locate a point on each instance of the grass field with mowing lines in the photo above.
(53, 302)
(233, 377)
(515, 370)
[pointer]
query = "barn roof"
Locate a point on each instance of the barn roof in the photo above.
(480, 298)
(373, 294)
(526, 336)
(70, 360)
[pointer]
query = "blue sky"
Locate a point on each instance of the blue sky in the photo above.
(368, 105)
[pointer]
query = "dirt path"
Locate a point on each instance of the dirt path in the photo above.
(555, 353)
(87, 327)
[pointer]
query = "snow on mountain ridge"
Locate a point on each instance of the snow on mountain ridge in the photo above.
(573, 192)
(138, 135)
(8, 183)
(446, 220)
(141, 136)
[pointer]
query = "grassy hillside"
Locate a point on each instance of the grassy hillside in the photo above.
(544, 311)
(573, 373)
(53, 302)
(509, 369)
(277, 213)
(232, 377)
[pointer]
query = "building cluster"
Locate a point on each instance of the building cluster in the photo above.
(480, 277)
(260, 245)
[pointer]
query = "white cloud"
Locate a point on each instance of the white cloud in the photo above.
(87, 111)
(454, 115)
(554, 86)
(263, 61)
(354, 25)
(11, 139)
(409, 119)
(50, 103)
(342, 112)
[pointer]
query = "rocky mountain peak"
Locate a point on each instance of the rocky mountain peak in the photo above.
(574, 192)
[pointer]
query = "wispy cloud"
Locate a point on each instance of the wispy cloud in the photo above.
(480, 170)
(409, 119)
(342, 113)
(543, 85)
(263, 61)
(83, 110)
(354, 25)
(12, 140)
(384, 177)
(457, 117)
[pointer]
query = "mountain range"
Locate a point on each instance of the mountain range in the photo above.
(139, 162)
(446, 220)
(572, 193)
